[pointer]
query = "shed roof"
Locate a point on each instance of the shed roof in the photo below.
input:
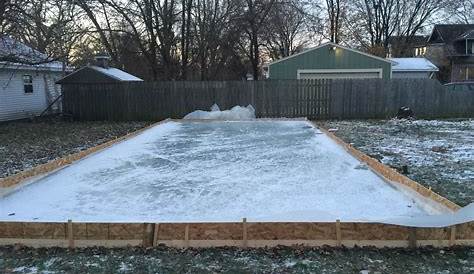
(331, 44)
(412, 64)
(116, 73)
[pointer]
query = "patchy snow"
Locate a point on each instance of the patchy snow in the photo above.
(236, 113)
(214, 171)
(438, 153)
(413, 64)
(117, 73)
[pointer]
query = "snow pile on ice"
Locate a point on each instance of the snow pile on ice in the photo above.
(236, 113)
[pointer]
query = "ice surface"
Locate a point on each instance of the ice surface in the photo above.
(237, 113)
(214, 171)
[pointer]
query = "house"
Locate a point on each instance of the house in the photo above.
(451, 49)
(407, 46)
(330, 61)
(412, 68)
(101, 72)
(27, 80)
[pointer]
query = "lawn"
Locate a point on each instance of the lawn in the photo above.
(233, 260)
(25, 144)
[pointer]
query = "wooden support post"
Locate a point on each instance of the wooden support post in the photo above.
(452, 236)
(338, 233)
(156, 234)
(186, 236)
(70, 234)
(244, 233)
(412, 237)
(148, 235)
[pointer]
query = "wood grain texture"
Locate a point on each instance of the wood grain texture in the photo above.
(312, 98)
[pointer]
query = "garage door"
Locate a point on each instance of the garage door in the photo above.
(340, 74)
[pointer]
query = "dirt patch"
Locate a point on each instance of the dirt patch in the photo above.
(25, 144)
(438, 153)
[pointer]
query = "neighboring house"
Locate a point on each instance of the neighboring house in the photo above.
(330, 61)
(451, 49)
(403, 46)
(413, 68)
(27, 81)
(99, 73)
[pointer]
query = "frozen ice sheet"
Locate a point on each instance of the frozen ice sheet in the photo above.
(214, 171)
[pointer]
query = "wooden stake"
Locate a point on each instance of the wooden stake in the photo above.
(338, 233)
(452, 236)
(156, 234)
(186, 235)
(412, 237)
(244, 233)
(148, 235)
(70, 234)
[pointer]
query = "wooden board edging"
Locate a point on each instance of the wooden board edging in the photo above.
(42, 169)
(255, 234)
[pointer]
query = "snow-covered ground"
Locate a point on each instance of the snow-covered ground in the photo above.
(214, 171)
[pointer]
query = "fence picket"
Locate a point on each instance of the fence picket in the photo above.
(315, 99)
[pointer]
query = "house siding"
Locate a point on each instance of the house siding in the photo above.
(324, 58)
(16, 104)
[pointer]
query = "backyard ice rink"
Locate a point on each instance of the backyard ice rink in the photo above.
(214, 171)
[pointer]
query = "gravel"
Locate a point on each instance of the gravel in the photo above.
(438, 153)
(234, 260)
(25, 144)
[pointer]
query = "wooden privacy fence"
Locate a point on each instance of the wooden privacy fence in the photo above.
(314, 99)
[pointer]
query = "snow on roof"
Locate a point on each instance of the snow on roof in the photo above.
(116, 73)
(412, 64)
(15, 54)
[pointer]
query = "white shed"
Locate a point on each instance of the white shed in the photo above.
(412, 68)
(27, 81)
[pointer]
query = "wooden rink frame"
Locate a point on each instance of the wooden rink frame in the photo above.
(240, 234)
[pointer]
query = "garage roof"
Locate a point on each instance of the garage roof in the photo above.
(412, 64)
(332, 44)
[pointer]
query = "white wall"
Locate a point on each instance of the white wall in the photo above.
(15, 103)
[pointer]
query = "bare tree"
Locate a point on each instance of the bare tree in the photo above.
(460, 11)
(334, 10)
(381, 19)
(216, 33)
(50, 27)
(186, 9)
(254, 18)
(287, 30)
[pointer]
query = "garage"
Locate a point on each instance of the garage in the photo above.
(330, 61)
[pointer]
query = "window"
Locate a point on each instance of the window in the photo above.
(28, 83)
(420, 51)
